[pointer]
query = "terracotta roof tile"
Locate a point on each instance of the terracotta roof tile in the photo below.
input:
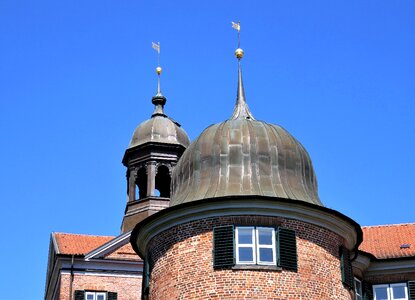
(386, 241)
(79, 244)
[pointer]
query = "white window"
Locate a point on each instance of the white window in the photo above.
(95, 296)
(255, 245)
(393, 291)
(358, 289)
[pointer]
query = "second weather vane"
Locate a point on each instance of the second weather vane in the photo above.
(239, 53)
(237, 26)
(156, 46)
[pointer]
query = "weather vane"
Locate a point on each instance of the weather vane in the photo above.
(156, 46)
(239, 53)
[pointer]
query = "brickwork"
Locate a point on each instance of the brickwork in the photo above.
(182, 265)
(128, 288)
(124, 253)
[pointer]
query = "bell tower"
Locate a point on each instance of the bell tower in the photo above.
(154, 150)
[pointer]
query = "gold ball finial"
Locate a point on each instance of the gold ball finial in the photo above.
(239, 53)
(158, 70)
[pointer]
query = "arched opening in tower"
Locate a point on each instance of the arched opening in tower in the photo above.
(163, 181)
(141, 184)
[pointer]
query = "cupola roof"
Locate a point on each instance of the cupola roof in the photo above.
(159, 128)
(243, 156)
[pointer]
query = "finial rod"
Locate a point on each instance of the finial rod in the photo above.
(156, 46)
(237, 26)
(158, 100)
(239, 34)
(241, 110)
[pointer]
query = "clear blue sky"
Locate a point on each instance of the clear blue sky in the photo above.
(76, 78)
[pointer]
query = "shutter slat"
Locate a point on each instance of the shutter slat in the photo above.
(411, 290)
(112, 296)
(346, 267)
(367, 291)
(287, 249)
(223, 246)
(79, 295)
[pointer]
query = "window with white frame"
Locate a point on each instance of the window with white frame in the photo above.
(393, 291)
(358, 289)
(95, 296)
(255, 245)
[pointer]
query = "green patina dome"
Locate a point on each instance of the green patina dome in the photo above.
(243, 156)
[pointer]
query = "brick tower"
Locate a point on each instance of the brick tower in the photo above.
(245, 221)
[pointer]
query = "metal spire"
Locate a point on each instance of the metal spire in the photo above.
(241, 110)
(158, 100)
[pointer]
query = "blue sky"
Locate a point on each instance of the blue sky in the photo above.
(77, 77)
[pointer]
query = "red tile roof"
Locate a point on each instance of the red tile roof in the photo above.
(386, 241)
(79, 244)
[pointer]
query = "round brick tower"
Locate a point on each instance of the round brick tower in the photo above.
(245, 221)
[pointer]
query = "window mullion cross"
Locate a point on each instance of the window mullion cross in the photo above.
(393, 291)
(249, 248)
(255, 245)
(250, 245)
(271, 246)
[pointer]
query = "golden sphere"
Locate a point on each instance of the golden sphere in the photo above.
(239, 53)
(158, 70)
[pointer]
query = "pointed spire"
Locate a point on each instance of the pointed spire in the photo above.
(158, 100)
(241, 110)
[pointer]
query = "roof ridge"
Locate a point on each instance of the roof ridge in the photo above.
(84, 234)
(388, 225)
(110, 246)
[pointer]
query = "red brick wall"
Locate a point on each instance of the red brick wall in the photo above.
(183, 265)
(128, 288)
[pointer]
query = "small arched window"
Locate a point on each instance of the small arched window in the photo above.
(163, 181)
(141, 184)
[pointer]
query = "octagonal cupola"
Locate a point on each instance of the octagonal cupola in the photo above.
(154, 149)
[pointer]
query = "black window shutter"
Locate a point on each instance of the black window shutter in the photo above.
(223, 246)
(112, 296)
(79, 295)
(367, 291)
(411, 290)
(346, 267)
(287, 249)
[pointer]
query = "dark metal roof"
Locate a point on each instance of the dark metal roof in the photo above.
(244, 157)
(159, 128)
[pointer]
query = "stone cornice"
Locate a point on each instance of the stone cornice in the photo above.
(361, 262)
(148, 203)
(240, 206)
(391, 266)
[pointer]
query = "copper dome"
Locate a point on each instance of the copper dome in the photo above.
(243, 156)
(159, 128)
